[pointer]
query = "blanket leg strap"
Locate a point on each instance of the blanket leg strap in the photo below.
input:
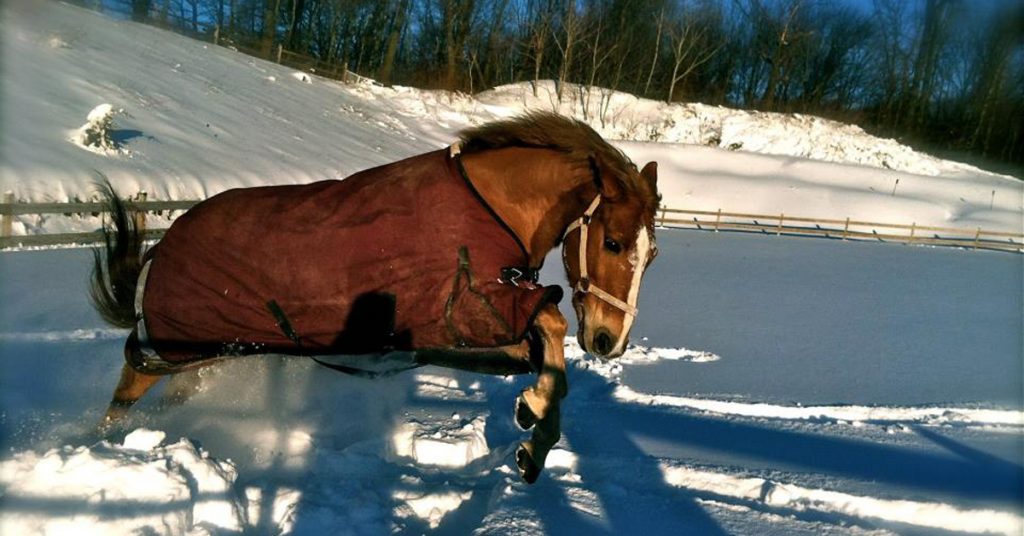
(286, 327)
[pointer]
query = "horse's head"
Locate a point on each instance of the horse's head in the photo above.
(606, 252)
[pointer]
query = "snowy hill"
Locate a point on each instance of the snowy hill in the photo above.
(775, 386)
(196, 119)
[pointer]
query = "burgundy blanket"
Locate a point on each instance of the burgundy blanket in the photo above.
(400, 257)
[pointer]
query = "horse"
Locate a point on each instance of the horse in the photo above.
(431, 260)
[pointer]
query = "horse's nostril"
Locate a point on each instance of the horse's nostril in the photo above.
(602, 342)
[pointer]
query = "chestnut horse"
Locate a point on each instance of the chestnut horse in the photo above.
(285, 270)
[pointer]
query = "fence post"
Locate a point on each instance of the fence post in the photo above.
(139, 214)
(7, 220)
(663, 216)
(718, 218)
(846, 228)
(280, 50)
(913, 227)
(977, 238)
(778, 230)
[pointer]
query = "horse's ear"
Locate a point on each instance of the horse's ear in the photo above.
(607, 184)
(650, 172)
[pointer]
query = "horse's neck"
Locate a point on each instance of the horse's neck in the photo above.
(537, 192)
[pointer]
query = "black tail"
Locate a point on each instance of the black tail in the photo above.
(116, 266)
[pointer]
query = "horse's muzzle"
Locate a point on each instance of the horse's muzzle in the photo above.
(603, 343)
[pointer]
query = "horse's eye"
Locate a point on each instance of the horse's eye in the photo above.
(612, 246)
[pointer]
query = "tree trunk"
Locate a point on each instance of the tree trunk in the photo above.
(571, 27)
(294, 36)
(392, 47)
(654, 57)
(140, 10)
(269, 27)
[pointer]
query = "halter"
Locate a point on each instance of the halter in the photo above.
(583, 285)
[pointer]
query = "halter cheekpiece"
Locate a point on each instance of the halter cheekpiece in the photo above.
(583, 285)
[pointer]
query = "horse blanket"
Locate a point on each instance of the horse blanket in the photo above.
(396, 258)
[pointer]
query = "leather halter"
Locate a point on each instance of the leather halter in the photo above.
(583, 285)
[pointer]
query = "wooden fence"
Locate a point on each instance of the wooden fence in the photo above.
(9, 209)
(848, 229)
(778, 224)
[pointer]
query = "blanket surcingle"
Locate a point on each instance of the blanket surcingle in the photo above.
(400, 257)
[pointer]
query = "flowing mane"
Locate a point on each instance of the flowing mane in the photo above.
(570, 136)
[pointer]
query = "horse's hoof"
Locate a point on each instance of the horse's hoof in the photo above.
(528, 468)
(525, 417)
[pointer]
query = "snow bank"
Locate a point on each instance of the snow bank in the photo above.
(621, 116)
(96, 134)
(137, 487)
(934, 515)
(853, 414)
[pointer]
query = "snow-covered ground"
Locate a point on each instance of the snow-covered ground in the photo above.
(820, 394)
(776, 386)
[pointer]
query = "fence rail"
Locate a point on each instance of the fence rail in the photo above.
(848, 229)
(778, 224)
(9, 209)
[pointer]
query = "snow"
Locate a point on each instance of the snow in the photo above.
(444, 444)
(107, 489)
(626, 117)
(933, 515)
(774, 385)
(431, 450)
(143, 439)
(95, 134)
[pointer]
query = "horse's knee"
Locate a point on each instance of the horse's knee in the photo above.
(552, 323)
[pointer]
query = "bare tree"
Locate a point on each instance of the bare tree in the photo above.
(690, 49)
(540, 13)
(570, 28)
(654, 55)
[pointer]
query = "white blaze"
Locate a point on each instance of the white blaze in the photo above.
(638, 260)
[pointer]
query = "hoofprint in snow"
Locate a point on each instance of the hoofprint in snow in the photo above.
(203, 119)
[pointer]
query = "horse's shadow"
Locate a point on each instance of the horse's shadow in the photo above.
(631, 433)
(617, 445)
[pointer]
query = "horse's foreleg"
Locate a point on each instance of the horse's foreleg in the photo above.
(536, 402)
(538, 406)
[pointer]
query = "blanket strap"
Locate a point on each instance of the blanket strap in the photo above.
(289, 331)
(282, 322)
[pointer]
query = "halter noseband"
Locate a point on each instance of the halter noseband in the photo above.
(583, 285)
